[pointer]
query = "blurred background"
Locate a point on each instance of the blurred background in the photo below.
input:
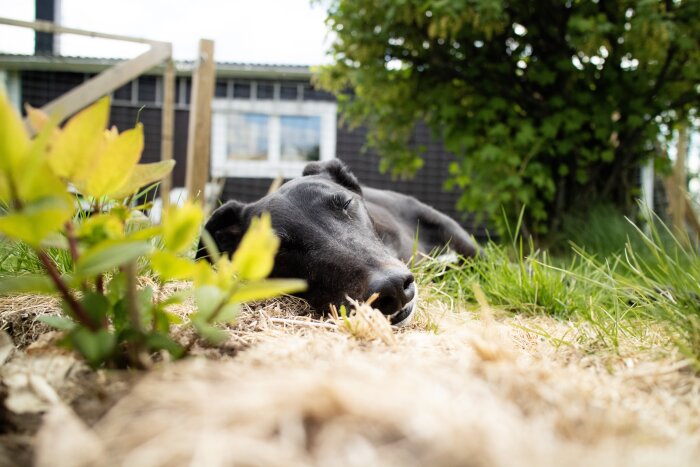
(487, 111)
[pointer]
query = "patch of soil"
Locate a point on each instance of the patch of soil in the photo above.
(454, 388)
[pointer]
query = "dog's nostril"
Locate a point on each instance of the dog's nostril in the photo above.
(384, 304)
(409, 280)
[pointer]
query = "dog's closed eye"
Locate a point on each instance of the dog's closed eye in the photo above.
(341, 201)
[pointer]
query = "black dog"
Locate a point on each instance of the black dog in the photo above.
(344, 240)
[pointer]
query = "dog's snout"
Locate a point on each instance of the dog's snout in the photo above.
(395, 288)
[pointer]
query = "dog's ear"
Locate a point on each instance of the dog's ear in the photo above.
(336, 171)
(226, 227)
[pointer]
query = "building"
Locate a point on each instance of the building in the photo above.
(268, 121)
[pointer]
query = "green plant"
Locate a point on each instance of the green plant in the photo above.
(107, 317)
(547, 111)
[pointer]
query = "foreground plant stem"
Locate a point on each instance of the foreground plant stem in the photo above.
(212, 317)
(72, 242)
(74, 304)
(138, 355)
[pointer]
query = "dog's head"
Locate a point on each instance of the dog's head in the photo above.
(327, 238)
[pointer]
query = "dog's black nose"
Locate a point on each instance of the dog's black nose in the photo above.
(395, 289)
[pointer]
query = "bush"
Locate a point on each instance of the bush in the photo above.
(106, 317)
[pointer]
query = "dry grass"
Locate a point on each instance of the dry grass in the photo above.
(454, 388)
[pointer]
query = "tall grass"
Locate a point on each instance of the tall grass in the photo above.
(624, 282)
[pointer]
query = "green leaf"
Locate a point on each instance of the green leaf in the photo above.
(120, 315)
(142, 175)
(58, 322)
(160, 341)
(145, 234)
(113, 165)
(26, 284)
(37, 221)
(172, 267)
(161, 321)
(108, 255)
(255, 255)
(211, 333)
(96, 305)
(14, 141)
(228, 313)
(95, 347)
(101, 227)
(260, 290)
(208, 298)
(73, 152)
(181, 224)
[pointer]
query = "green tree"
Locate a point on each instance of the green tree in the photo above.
(546, 104)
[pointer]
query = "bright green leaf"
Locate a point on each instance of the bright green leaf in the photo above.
(172, 267)
(255, 255)
(181, 224)
(72, 154)
(36, 222)
(14, 141)
(143, 175)
(109, 255)
(113, 165)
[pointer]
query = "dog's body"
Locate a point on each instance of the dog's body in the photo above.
(344, 240)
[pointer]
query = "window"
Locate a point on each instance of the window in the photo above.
(147, 89)
(267, 138)
(221, 89)
(241, 90)
(247, 136)
(266, 91)
(300, 138)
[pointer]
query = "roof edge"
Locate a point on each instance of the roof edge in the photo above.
(14, 62)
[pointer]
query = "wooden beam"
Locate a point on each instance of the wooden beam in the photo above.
(48, 26)
(199, 131)
(107, 81)
(692, 219)
(167, 128)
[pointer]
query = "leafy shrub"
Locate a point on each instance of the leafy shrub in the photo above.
(107, 318)
(547, 111)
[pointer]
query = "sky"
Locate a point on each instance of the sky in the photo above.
(288, 32)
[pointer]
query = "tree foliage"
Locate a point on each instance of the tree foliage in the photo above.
(546, 104)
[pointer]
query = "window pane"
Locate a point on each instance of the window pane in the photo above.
(221, 89)
(300, 138)
(123, 93)
(265, 91)
(241, 90)
(147, 89)
(288, 92)
(247, 137)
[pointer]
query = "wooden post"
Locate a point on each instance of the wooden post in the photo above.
(168, 127)
(679, 179)
(199, 131)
